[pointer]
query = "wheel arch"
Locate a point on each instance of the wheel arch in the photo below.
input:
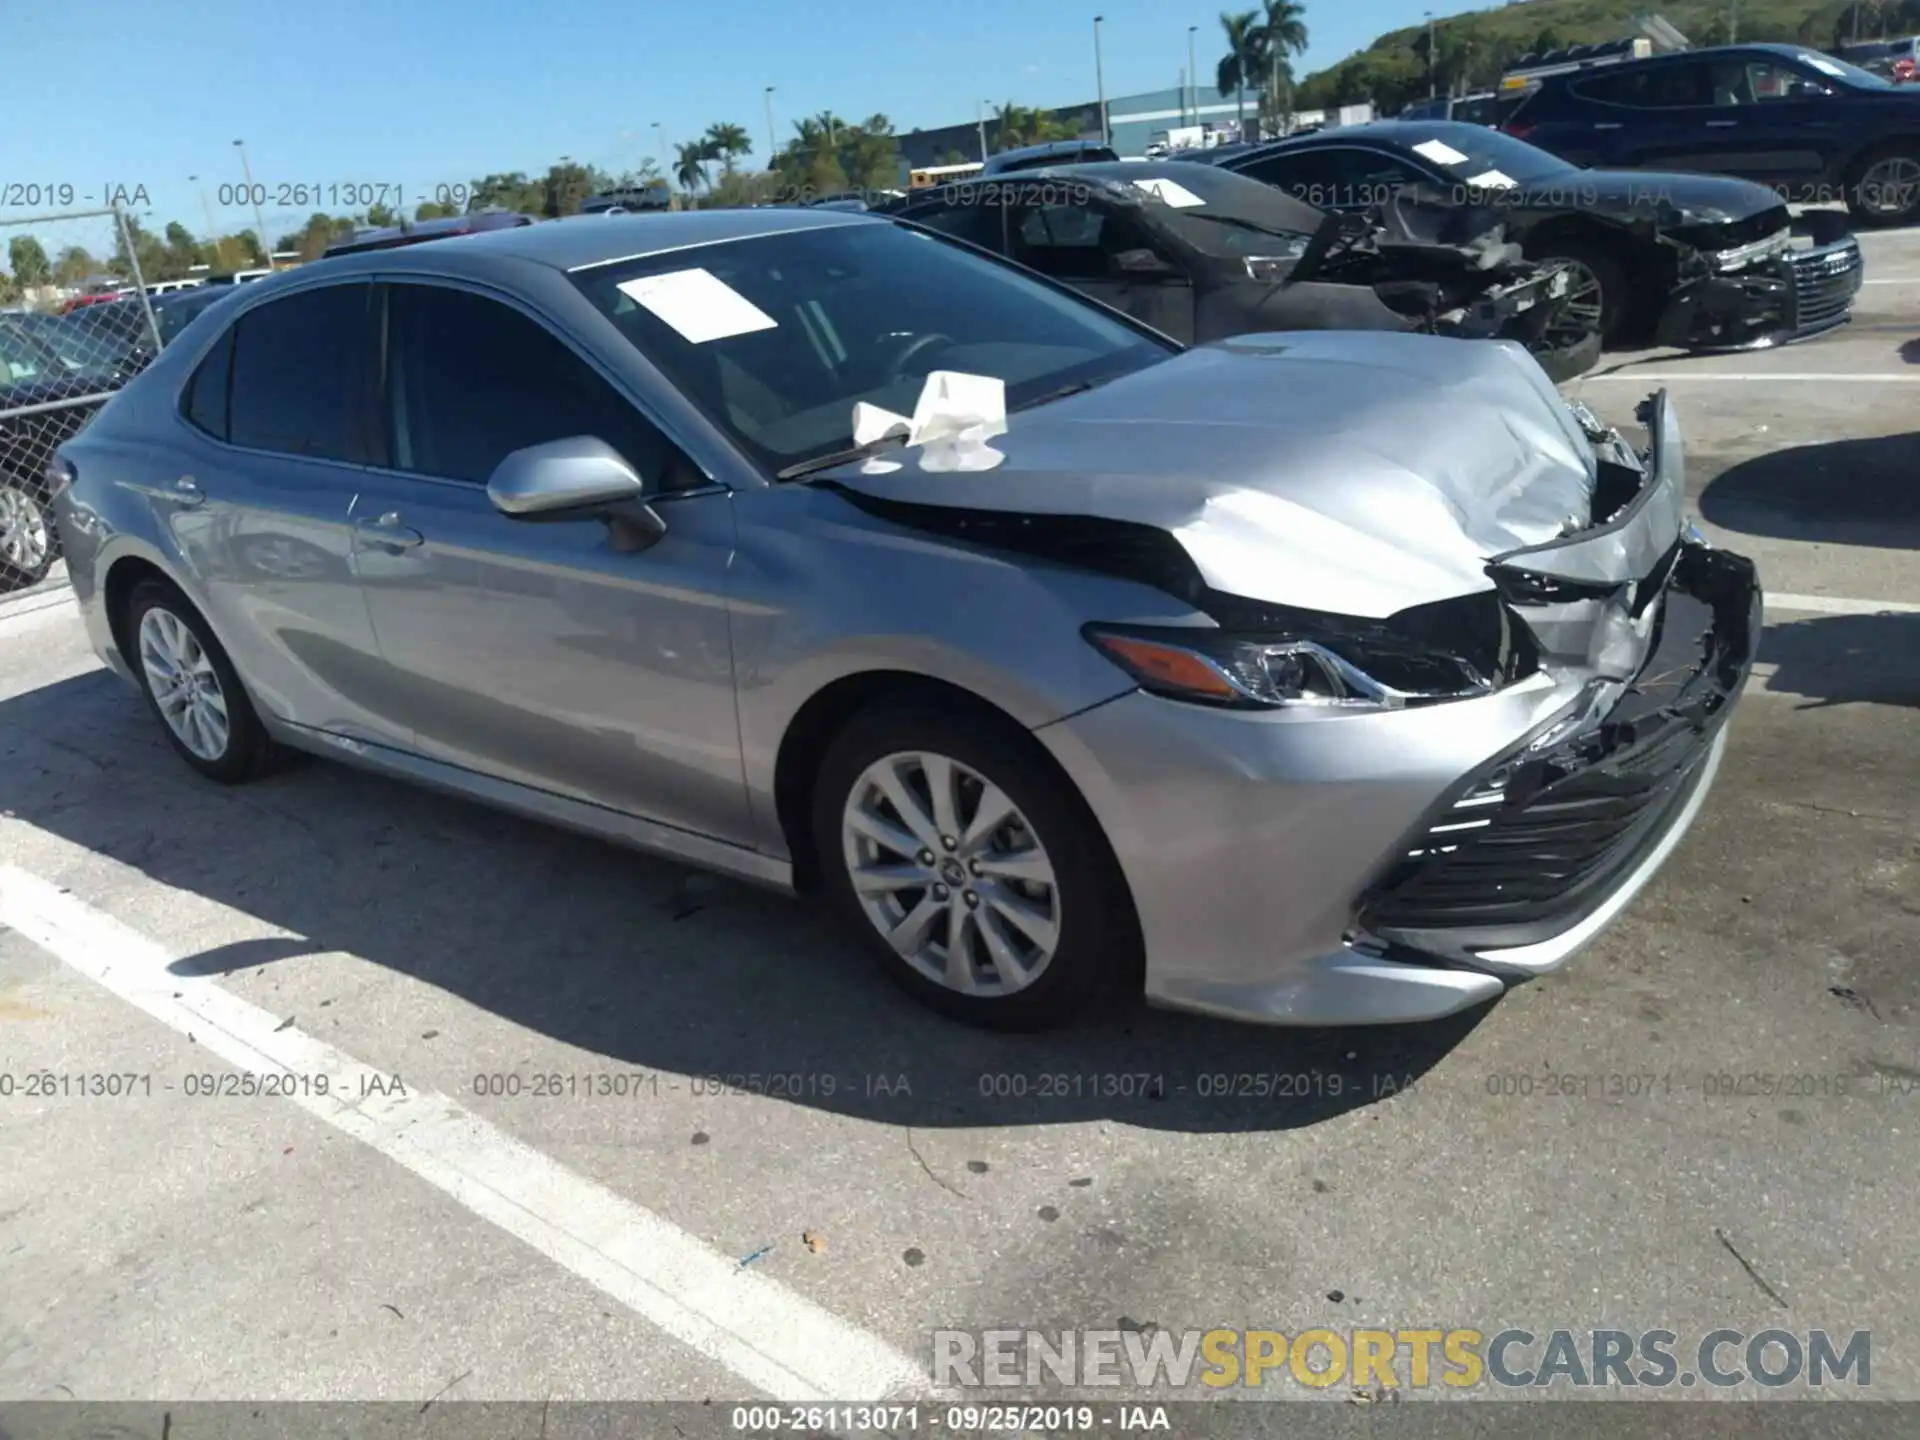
(826, 712)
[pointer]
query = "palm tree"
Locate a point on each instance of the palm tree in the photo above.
(1239, 65)
(1282, 35)
(1027, 125)
(691, 167)
(724, 142)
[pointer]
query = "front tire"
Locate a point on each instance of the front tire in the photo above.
(28, 542)
(1597, 291)
(193, 689)
(974, 873)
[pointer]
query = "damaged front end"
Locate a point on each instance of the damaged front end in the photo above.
(1459, 277)
(1760, 282)
(1532, 852)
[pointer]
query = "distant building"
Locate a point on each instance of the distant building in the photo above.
(1134, 122)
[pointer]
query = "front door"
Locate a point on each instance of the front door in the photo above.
(1089, 246)
(542, 651)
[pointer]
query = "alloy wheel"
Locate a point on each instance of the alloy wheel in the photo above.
(1890, 186)
(951, 874)
(1584, 307)
(184, 684)
(25, 538)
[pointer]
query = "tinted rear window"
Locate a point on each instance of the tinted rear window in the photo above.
(298, 375)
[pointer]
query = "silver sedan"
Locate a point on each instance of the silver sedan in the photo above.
(1316, 678)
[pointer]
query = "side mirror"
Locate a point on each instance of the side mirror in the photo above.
(1141, 263)
(578, 478)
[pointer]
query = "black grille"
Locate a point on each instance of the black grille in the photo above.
(1824, 284)
(1536, 840)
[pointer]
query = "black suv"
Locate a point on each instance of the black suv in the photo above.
(1813, 127)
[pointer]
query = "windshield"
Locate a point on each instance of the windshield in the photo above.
(1840, 70)
(777, 337)
(1470, 151)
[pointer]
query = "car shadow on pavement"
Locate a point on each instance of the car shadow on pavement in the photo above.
(1843, 659)
(641, 961)
(1845, 492)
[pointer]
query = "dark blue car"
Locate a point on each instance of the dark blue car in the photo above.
(1814, 128)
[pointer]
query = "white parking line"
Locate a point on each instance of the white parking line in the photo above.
(1893, 280)
(1839, 605)
(771, 1337)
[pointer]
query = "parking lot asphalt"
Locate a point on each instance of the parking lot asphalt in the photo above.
(1709, 1119)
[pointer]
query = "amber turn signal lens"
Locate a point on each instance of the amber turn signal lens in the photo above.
(1167, 666)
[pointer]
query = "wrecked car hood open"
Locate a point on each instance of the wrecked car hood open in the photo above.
(1357, 472)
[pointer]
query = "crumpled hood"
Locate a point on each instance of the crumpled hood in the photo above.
(1353, 471)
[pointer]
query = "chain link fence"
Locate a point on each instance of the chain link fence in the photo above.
(70, 338)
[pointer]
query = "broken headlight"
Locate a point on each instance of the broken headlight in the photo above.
(1255, 672)
(1741, 256)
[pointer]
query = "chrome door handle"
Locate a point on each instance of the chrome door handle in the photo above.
(389, 530)
(187, 491)
(1606, 124)
(1721, 124)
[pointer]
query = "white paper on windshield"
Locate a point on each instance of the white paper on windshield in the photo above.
(954, 416)
(1439, 152)
(1825, 67)
(1171, 192)
(1492, 180)
(697, 303)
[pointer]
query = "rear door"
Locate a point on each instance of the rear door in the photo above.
(279, 423)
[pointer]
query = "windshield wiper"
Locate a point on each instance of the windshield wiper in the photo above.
(840, 457)
(1065, 390)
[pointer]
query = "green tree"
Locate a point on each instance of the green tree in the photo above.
(1017, 125)
(726, 143)
(76, 263)
(872, 161)
(690, 164)
(183, 251)
(382, 217)
(1239, 67)
(1283, 35)
(9, 291)
(435, 210)
(28, 261)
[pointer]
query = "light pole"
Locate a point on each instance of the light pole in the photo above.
(980, 120)
(1100, 79)
(1430, 57)
(1193, 76)
(771, 146)
(259, 220)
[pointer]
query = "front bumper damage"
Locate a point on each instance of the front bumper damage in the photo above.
(1301, 869)
(1805, 292)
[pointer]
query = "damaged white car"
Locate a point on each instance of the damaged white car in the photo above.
(1316, 678)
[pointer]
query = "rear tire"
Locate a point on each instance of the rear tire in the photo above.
(1883, 185)
(1593, 268)
(1042, 911)
(29, 543)
(193, 689)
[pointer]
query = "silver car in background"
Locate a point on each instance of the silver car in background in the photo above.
(1340, 678)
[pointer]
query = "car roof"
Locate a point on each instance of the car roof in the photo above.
(595, 240)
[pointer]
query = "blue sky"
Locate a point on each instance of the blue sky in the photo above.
(420, 92)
